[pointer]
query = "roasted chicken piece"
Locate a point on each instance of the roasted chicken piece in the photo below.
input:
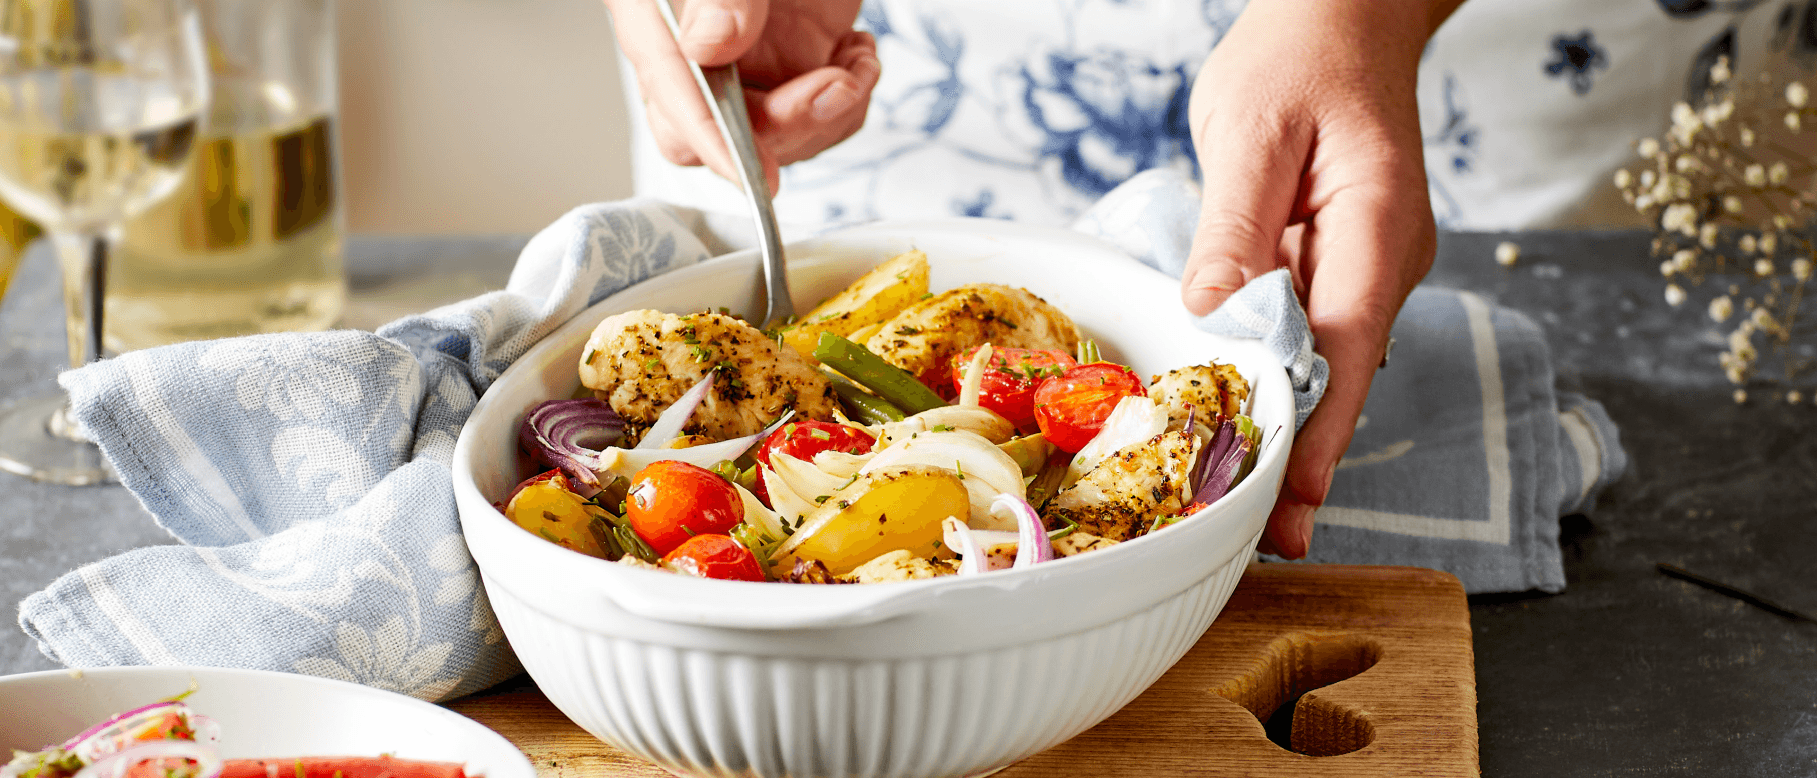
(1212, 389)
(641, 362)
(1120, 498)
(924, 338)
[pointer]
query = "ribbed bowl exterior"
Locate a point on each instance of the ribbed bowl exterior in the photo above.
(715, 713)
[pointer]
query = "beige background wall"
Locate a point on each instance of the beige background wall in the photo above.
(477, 116)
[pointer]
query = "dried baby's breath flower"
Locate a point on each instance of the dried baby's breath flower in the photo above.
(1794, 397)
(1507, 253)
(1741, 396)
(1721, 309)
(1730, 193)
(1680, 218)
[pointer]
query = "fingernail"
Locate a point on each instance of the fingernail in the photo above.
(711, 26)
(1210, 287)
(834, 101)
(866, 68)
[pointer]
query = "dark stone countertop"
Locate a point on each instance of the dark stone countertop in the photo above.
(1626, 673)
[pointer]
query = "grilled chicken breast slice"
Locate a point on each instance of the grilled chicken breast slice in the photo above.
(1121, 497)
(641, 362)
(924, 338)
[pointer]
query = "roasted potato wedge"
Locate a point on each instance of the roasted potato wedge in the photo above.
(873, 298)
(891, 509)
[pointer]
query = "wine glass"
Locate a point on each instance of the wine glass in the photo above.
(99, 106)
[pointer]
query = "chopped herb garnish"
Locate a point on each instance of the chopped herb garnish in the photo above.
(821, 500)
(820, 434)
(941, 428)
(652, 363)
(701, 354)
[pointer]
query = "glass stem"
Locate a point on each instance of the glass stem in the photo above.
(83, 256)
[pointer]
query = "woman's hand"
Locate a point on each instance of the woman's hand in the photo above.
(1307, 133)
(808, 75)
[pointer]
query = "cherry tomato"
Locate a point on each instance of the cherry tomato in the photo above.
(803, 439)
(1071, 407)
(671, 501)
(714, 556)
(1009, 385)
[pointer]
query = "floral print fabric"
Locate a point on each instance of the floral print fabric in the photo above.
(1033, 109)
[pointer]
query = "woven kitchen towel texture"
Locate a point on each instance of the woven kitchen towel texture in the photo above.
(1465, 455)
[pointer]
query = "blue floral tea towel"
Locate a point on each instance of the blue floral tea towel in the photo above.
(308, 477)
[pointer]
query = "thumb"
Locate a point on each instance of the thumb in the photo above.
(718, 32)
(1251, 171)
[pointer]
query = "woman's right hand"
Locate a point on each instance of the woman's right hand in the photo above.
(808, 75)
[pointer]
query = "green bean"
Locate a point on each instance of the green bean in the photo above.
(887, 381)
(864, 406)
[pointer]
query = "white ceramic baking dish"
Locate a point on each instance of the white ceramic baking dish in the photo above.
(950, 676)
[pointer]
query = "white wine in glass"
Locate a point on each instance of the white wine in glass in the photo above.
(100, 104)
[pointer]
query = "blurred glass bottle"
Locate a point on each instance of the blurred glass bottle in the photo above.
(251, 240)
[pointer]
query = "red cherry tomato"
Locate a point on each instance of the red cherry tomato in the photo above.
(803, 439)
(714, 556)
(1071, 407)
(671, 501)
(1009, 385)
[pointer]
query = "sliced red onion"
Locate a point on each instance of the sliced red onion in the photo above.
(973, 562)
(569, 434)
(668, 426)
(987, 538)
(615, 462)
(1032, 545)
(1228, 450)
(110, 735)
(208, 763)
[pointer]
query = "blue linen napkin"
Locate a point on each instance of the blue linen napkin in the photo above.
(1465, 455)
(308, 474)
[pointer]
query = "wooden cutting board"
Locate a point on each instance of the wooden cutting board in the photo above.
(1381, 655)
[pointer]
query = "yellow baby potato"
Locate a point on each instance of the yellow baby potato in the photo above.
(888, 510)
(877, 296)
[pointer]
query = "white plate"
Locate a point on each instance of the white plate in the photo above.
(262, 714)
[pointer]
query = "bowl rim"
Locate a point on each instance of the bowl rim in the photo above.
(494, 746)
(878, 602)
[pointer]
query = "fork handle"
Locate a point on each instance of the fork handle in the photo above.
(734, 119)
